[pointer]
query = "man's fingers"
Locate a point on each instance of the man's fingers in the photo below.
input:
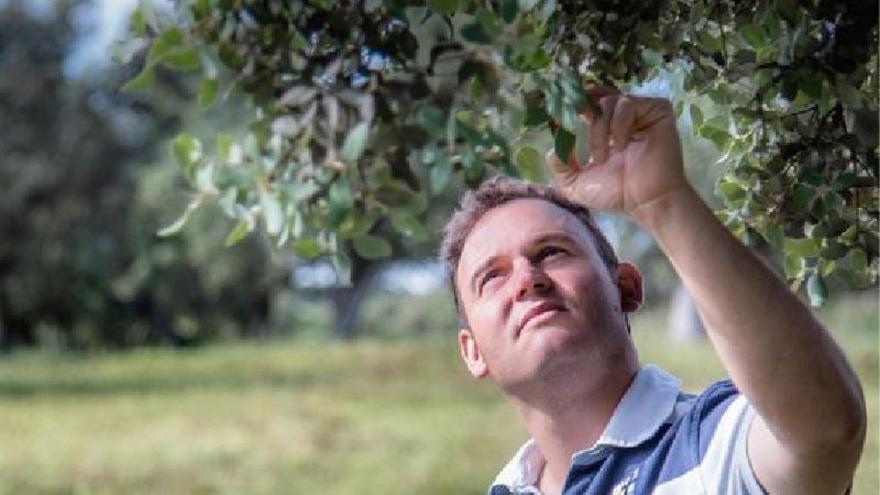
(596, 93)
(563, 172)
(623, 121)
(599, 129)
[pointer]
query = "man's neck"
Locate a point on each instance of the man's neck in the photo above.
(563, 422)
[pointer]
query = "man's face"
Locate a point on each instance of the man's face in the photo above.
(536, 296)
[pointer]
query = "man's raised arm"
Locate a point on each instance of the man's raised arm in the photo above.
(811, 420)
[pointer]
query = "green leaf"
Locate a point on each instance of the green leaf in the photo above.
(207, 92)
(803, 197)
(548, 7)
(810, 82)
(355, 143)
(718, 137)
(826, 267)
(433, 119)
(341, 198)
(358, 224)
(571, 120)
(183, 59)
(187, 151)
(563, 143)
(140, 82)
(307, 247)
(775, 236)
(528, 161)
(721, 122)
(301, 191)
(849, 235)
(754, 35)
(731, 191)
(441, 171)
(535, 114)
(573, 90)
(696, 116)
(227, 54)
(474, 33)
(443, 6)
(204, 179)
(396, 195)
(272, 212)
(408, 225)
(805, 248)
(858, 260)
(508, 10)
(844, 181)
(166, 42)
(171, 37)
(371, 246)
(652, 58)
(717, 130)
(491, 25)
(817, 290)
(342, 265)
(178, 224)
(526, 57)
(554, 101)
(201, 8)
(794, 266)
(238, 233)
(224, 146)
(709, 42)
(138, 22)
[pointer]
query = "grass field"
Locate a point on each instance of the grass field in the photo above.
(303, 417)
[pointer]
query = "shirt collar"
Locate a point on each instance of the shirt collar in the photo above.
(523, 471)
(648, 403)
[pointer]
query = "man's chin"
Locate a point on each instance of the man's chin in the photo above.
(553, 342)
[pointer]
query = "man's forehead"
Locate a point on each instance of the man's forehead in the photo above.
(516, 222)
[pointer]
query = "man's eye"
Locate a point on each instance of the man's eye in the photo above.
(548, 251)
(487, 277)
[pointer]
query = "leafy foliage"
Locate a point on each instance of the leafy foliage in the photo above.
(366, 110)
(80, 264)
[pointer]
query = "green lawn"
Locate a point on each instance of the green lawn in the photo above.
(307, 417)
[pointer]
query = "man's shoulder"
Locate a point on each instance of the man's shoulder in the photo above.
(705, 448)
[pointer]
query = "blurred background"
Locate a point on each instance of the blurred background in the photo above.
(131, 363)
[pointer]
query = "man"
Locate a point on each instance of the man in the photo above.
(544, 306)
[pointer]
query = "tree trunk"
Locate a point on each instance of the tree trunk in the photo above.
(4, 339)
(347, 300)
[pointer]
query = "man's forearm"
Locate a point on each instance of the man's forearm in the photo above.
(775, 350)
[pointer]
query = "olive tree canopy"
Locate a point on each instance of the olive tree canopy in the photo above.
(365, 111)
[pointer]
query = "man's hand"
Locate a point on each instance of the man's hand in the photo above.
(635, 159)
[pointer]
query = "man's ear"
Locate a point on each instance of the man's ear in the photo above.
(629, 283)
(471, 355)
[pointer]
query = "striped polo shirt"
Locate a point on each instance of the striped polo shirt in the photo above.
(659, 441)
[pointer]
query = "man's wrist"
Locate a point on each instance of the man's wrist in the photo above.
(654, 215)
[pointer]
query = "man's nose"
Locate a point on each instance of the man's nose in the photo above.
(531, 280)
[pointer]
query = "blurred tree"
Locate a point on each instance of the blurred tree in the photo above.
(80, 264)
(365, 110)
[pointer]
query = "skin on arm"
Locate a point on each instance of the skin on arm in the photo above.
(811, 420)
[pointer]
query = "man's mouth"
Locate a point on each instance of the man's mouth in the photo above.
(539, 312)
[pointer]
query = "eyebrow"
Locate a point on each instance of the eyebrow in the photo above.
(480, 269)
(540, 240)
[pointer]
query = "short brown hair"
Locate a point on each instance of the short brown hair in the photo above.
(496, 192)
